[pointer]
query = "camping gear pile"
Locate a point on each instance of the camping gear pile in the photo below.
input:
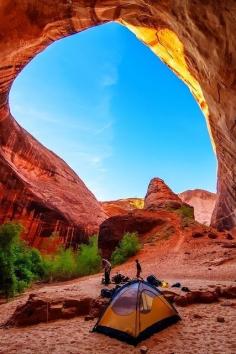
(120, 279)
(156, 282)
(136, 310)
(108, 293)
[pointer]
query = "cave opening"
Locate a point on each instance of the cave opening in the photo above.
(115, 113)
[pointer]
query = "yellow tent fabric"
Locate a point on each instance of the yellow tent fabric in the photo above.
(136, 311)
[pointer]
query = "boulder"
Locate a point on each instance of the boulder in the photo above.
(39, 308)
(220, 319)
(229, 236)
(143, 349)
(196, 297)
(212, 235)
(198, 234)
(229, 292)
(229, 245)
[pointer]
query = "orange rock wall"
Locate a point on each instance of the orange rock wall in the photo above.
(195, 38)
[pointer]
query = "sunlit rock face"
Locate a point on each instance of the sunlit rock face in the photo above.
(203, 203)
(195, 39)
(122, 206)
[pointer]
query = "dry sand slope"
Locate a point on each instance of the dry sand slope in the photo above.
(192, 335)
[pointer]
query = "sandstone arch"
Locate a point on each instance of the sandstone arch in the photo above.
(195, 39)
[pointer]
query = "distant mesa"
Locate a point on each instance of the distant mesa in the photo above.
(122, 206)
(203, 203)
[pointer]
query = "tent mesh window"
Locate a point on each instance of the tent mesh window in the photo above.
(146, 300)
(127, 302)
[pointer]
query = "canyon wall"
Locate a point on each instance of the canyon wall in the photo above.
(195, 39)
(42, 192)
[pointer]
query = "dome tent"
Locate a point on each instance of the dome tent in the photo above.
(136, 311)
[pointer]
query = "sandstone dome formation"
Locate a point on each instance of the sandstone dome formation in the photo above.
(196, 39)
(160, 196)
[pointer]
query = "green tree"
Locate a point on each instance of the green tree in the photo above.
(9, 236)
(20, 265)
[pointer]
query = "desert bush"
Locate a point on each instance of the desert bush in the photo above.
(186, 211)
(67, 263)
(61, 266)
(20, 265)
(88, 258)
(128, 246)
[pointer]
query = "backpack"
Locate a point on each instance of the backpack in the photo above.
(151, 279)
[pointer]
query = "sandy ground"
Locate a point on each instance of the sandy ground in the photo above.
(191, 335)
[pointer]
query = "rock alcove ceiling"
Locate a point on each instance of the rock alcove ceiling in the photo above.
(195, 39)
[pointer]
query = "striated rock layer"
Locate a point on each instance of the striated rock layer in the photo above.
(195, 39)
(40, 190)
(203, 203)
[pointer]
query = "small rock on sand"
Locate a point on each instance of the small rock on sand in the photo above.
(220, 319)
(195, 315)
(143, 349)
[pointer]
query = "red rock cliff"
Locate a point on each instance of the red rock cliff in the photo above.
(41, 190)
(196, 39)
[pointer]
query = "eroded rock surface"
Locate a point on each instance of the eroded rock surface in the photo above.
(160, 196)
(113, 229)
(40, 308)
(203, 203)
(195, 39)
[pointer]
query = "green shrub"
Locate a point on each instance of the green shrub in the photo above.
(186, 211)
(48, 268)
(9, 235)
(61, 266)
(20, 265)
(88, 258)
(67, 264)
(128, 246)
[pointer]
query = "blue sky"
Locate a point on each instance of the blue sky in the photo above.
(115, 113)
